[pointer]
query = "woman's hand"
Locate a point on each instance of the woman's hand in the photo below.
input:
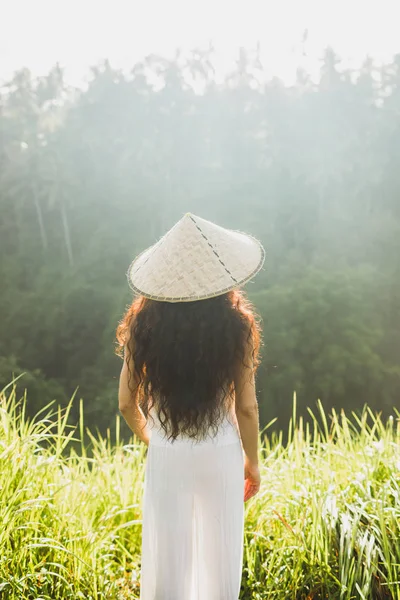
(252, 479)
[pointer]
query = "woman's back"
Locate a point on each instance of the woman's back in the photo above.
(227, 432)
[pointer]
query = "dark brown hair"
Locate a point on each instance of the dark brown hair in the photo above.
(184, 356)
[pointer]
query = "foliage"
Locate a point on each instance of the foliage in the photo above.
(41, 389)
(325, 336)
(325, 523)
(90, 177)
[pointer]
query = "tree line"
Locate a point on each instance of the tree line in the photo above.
(90, 177)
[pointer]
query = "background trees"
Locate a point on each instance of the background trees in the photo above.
(88, 178)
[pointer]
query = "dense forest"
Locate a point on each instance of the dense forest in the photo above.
(90, 177)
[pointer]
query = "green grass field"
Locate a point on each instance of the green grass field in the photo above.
(325, 524)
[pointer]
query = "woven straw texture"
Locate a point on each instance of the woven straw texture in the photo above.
(195, 260)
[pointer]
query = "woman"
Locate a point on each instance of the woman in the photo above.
(190, 343)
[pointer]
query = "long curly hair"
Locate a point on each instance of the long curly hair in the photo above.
(184, 356)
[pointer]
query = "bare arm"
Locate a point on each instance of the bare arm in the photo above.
(128, 404)
(246, 408)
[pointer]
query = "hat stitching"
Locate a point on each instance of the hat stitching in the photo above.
(213, 249)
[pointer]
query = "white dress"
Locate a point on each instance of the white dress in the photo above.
(193, 516)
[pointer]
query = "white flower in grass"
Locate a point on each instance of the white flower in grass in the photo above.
(379, 446)
(329, 509)
(44, 460)
(346, 522)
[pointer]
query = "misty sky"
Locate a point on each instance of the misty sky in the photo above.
(78, 33)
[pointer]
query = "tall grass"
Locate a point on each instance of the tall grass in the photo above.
(325, 524)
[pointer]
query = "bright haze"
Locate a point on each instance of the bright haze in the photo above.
(291, 33)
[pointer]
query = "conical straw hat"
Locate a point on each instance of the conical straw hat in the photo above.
(195, 260)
